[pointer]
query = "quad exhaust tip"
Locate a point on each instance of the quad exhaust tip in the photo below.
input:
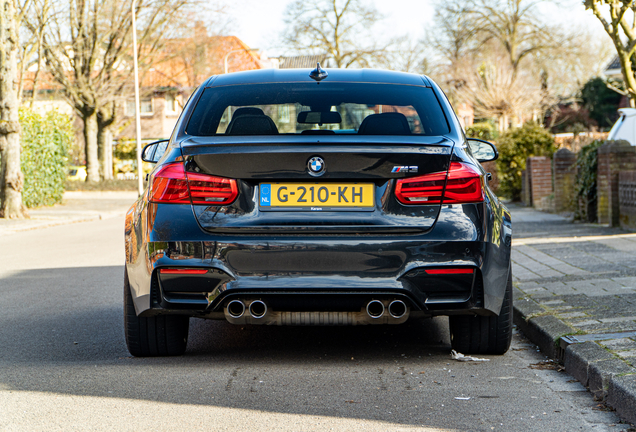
(258, 309)
(375, 309)
(397, 309)
(236, 308)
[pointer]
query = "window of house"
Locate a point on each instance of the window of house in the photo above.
(145, 106)
(171, 103)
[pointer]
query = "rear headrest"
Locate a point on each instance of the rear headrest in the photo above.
(385, 124)
(251, 125)
(247, 111)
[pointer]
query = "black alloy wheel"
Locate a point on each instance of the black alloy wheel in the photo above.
(484, 334)
(162, 335)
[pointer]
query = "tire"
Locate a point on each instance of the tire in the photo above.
(484, 334)
(162, 335)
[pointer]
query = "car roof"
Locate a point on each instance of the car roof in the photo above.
(627, 112)
(261, 76)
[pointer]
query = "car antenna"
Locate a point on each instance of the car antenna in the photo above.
(318, 74)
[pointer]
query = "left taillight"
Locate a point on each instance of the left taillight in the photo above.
(463, 185)
(171, 184)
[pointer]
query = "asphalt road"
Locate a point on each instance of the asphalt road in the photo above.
(64, 364)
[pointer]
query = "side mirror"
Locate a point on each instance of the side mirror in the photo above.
(154, 151)
(482, 150)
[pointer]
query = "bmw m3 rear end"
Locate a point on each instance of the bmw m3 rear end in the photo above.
(290, 197)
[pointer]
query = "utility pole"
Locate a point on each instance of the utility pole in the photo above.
(137, 107)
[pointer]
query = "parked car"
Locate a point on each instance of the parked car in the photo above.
(625, 126)
(76, 173)
(298, 197)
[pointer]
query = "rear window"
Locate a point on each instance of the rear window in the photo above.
(309, 108)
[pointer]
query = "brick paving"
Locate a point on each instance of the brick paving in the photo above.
(582, 277)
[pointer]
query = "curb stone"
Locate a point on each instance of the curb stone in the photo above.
(607, 377)
(621, 395)
(579, 357)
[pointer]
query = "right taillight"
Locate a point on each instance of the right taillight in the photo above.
(463, 185)
(172, 185)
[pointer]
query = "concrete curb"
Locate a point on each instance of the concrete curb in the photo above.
(607, 377)
(45, 221)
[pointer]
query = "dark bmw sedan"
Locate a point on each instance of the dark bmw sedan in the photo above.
(298, 197)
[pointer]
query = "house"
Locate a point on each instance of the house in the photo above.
(181, 66)
(178, 68)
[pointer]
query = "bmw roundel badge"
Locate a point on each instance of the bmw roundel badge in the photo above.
(316, 166)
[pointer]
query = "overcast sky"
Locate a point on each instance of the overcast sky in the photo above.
(258, 23)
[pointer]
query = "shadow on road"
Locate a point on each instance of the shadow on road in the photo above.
(62, 332)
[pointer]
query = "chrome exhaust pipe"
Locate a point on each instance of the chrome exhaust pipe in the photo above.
(375, 309)
(397, 309)
(236, 308)
(258, 309)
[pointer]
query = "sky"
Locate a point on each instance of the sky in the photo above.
(259, 23)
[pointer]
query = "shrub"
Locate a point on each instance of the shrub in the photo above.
(45, 143)
(481, 130)
(586, 167)
(515, 146)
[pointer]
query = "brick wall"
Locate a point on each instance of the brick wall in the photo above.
(613, 157)
(539, 171)
(526, 198)
(564, 171)
(627, 199)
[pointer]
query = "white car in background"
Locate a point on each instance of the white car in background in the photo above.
(625, 126)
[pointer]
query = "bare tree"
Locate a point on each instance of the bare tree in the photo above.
(621, 28)
(87, 46)
(497, 92)
(405, 55)
(516, 26)
(11, 178)
(480, 41)
(341, 28)
(456, 45)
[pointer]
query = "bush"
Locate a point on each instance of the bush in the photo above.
(45, 143)
(481, 130)
(586, 167)
(515, 146)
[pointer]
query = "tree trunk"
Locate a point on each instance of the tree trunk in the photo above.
(105, 152)
(90, 146)
(11, 179)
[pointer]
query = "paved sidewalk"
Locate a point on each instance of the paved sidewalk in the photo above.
(75, 207)
(576, 298)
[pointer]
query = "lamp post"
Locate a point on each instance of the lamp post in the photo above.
(235, 51)
(137, 112)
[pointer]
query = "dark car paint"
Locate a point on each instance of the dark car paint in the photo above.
(176, 235)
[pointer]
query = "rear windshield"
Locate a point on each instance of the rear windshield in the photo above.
(309, 108)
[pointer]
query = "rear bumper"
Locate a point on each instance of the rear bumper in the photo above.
(319, 273)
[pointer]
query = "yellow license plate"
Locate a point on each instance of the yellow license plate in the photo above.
(317, 196)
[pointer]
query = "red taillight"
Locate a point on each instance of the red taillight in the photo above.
(426, 189)
(448, 271)
(206, 189)
(172, 185)
(463, 185)
(169, 185)
(184, 271)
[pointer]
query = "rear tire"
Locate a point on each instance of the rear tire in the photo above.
(162, 335)
(482, 334)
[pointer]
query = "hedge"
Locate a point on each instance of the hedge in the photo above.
(46, 140)
(515, 146)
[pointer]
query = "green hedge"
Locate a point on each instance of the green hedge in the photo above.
(515, 146)
(481, 130)
(45, 143)
(586, 168)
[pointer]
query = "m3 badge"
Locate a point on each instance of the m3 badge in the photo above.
(404, 169)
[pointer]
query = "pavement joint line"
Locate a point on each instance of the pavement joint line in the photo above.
(574, 239)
